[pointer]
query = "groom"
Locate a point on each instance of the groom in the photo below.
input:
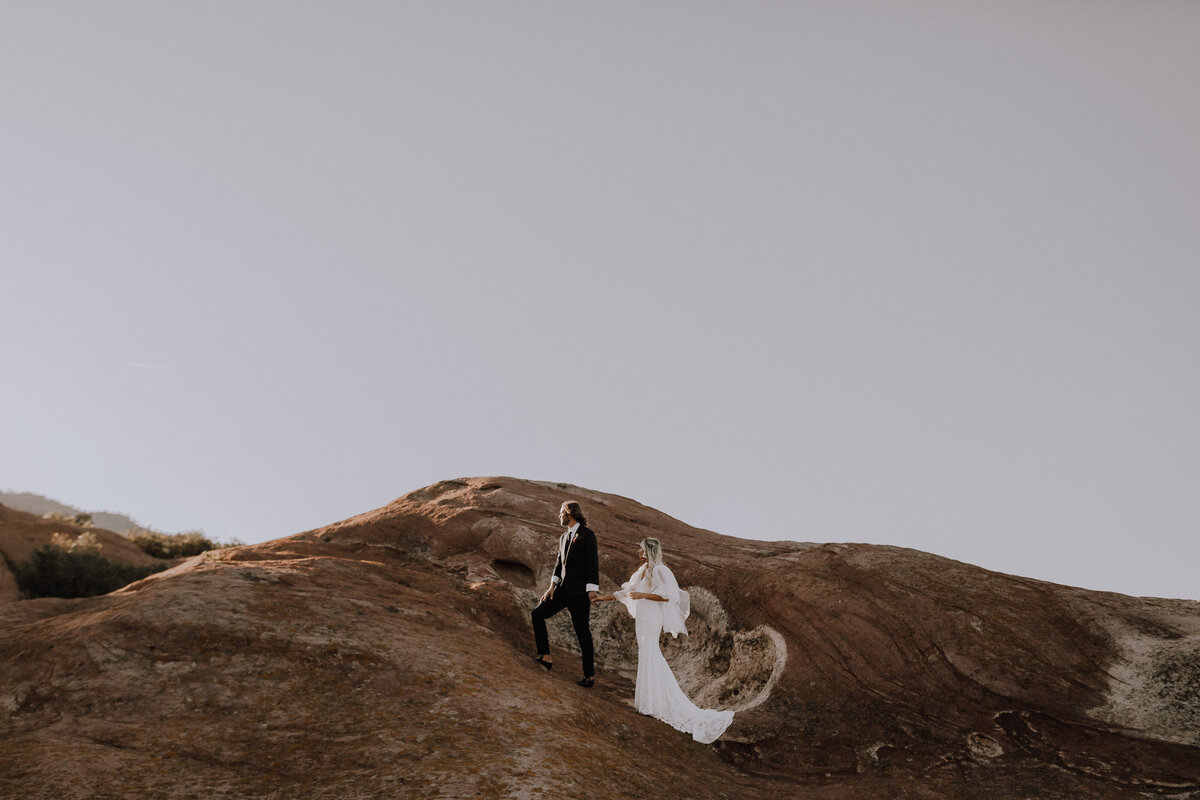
(573, 586)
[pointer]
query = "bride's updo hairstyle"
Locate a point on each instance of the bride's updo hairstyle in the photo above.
(653, 556)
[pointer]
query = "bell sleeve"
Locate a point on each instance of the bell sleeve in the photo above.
(622, 594)
(678, 604)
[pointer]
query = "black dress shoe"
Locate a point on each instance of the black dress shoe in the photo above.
(586, 682)
(546, 664)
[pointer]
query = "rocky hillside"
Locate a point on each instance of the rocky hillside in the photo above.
(389, 656)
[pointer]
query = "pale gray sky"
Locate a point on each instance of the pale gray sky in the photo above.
(914, 273)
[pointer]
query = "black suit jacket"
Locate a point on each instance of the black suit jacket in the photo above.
(582, 562)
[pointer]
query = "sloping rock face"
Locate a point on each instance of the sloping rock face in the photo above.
(22, 533)
(389, 656)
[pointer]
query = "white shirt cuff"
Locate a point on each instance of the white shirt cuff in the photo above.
(591, 587)
(554, 580)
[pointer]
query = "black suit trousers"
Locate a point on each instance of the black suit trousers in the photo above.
(580, 606)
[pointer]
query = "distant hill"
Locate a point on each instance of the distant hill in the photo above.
(37, 504)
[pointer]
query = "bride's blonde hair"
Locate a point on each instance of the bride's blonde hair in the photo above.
(653, 550)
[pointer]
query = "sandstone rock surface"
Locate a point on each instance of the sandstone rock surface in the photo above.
(389, 656)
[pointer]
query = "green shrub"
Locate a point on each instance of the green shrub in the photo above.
(174, 545)
(55, 571)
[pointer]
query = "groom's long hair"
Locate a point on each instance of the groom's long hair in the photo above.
(653, 550)
(573, 508)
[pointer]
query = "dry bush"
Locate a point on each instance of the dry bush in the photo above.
(174, 545)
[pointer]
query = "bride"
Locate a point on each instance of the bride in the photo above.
(655, 600)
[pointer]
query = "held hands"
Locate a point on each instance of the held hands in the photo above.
(604, 598)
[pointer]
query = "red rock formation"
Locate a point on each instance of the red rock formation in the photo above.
(389, 656)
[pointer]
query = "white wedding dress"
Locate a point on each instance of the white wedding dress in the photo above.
(657, 692)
